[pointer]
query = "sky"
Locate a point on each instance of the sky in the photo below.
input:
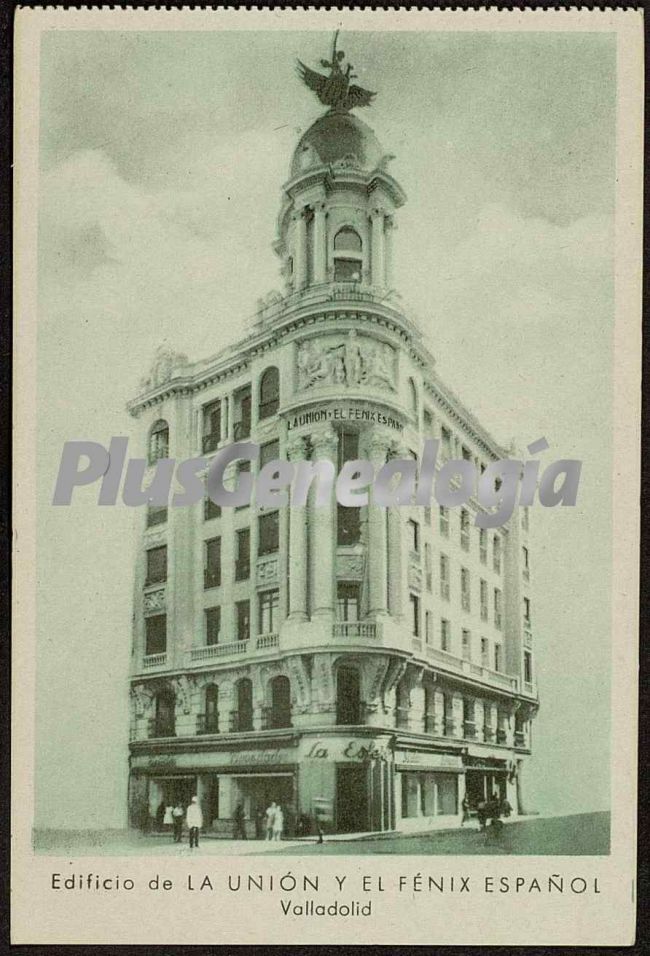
(162, 160)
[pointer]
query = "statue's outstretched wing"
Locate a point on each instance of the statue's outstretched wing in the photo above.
(315, 81)
(357, 96)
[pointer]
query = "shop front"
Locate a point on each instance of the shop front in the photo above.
(487, 778)
(429, 789)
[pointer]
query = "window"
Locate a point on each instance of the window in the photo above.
(243, 618)
(348, 696)
(445, 643)
(402, 704)
(268, 530)
(212, 625)
(269, 451)
(243, 466)
(413, 398)
(496, 553)
(528, 667)
(464, 589)
(209, 720)
(165, 715)
(210, 509)
(348, 447)
(269, 605)
(156, 565)
(280, 712)
(243, 716)
(347, 600)
(428, 576)
(156, 514)
(466, 645)
(444, 577)
(242, 413)
(347, 270)
(243, 555)
(211, 426)
(414, 536)
(155, 634)
(445, 436)
(429, 709)
(212, 565)
(347, 239)
(348, 255)
(415, 614)
(485, 652)
(269, 393)
(526, 563)
(498, 662)
(483, 545)
(444, 521)
(464, 529)
(428, 631)
(498, 618)
(348, 525)
(484, 600)
(469, 718)
(527, 612)
(158, 442)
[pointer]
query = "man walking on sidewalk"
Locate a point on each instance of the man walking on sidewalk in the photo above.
(194, 821)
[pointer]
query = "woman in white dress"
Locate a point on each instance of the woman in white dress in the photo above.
(278, 823)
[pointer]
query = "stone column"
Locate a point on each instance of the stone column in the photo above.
(396, 596)
(457, 715)
(377, 538)
(390, 229)
(439, 707)
(300, 250)
(298, 553)
(322, 522)
(378, 272)
(320, 244)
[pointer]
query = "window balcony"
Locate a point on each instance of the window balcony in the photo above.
(207, 652)
(241, 721)
(154, 660)
(266, 641)
(207, 723)
(210, 443)
(158, 727)
(469, 730)
(357, 630)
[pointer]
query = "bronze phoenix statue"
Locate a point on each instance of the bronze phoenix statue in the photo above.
(336, 90)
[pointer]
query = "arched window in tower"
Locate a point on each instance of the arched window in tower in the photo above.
(209, 719)
(413, 398)
(348, 695)
(279, 713)
(158, 442)
(163, 723)
(348, 255)
(269, 392)
(243, 716)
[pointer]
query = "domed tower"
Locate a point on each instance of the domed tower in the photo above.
(336, 221)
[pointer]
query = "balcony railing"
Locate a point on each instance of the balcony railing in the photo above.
(210, 442)
(366, 630)
(160, 728)
(210, 651)
(207, 723)
(154, 660)
(469, 729)
(265, 641)
(276, 718)
(241, 722)
(520, 738)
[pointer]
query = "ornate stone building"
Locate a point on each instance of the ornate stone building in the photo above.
(368, 667)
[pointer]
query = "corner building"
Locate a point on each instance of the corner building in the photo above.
(367, 667)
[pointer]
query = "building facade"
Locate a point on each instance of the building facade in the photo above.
(369, 667)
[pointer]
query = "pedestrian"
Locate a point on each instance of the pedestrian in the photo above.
(194, 821)
(239, 817)
(260, 820)
(270, 819)
(160, 815)
(482, 814)
(168, 818)
(465, 807)
(278, 823)
(177, 821)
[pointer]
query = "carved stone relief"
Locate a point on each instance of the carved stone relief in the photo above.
(351, 361)
(154, 600)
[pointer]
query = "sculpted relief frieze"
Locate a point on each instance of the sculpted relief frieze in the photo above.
(349, 360)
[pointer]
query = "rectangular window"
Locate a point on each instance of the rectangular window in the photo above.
(467, 645)
(347, 600)
(525, 556)
(155, 634)
(498, 611)
(242, 467)
(212, 564)
(428, 631)
(212, 625)
(415, 614)
(445, 436)
(485, 652)
(210, 509)
(444, 577)
(484, 600)
(444, 521)
(496, 554)
(269, 604)
(243, 555)
(498, 654)
(211, 426)
(348, 525)
(464, 529)
(156, 565)
(348, 448)
(464, 589)
(483, 545)
(270, 451)
(242, 413)
(445, 642)
(428, 575)
(527, 612)
(243, 618)
(469, 718)
(528, 667)
(268, 529)
(414, 536)
(156, 514)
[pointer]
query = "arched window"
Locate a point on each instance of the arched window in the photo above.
(210, 722)
(348, 696)
(164, 720)
(158, 442)
(413, 398)
(402, 702)
(243, 716)
(429, 709)
(280, 709)
(348, 255)
(269, 392)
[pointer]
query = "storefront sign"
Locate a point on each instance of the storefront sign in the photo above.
(215, 760)
(424, 761)
(343, 749)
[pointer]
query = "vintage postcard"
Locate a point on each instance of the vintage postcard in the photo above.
(327, 476)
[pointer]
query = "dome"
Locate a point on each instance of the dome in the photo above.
(337, 137)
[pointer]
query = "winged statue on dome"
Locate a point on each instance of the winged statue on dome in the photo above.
(336, 90)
